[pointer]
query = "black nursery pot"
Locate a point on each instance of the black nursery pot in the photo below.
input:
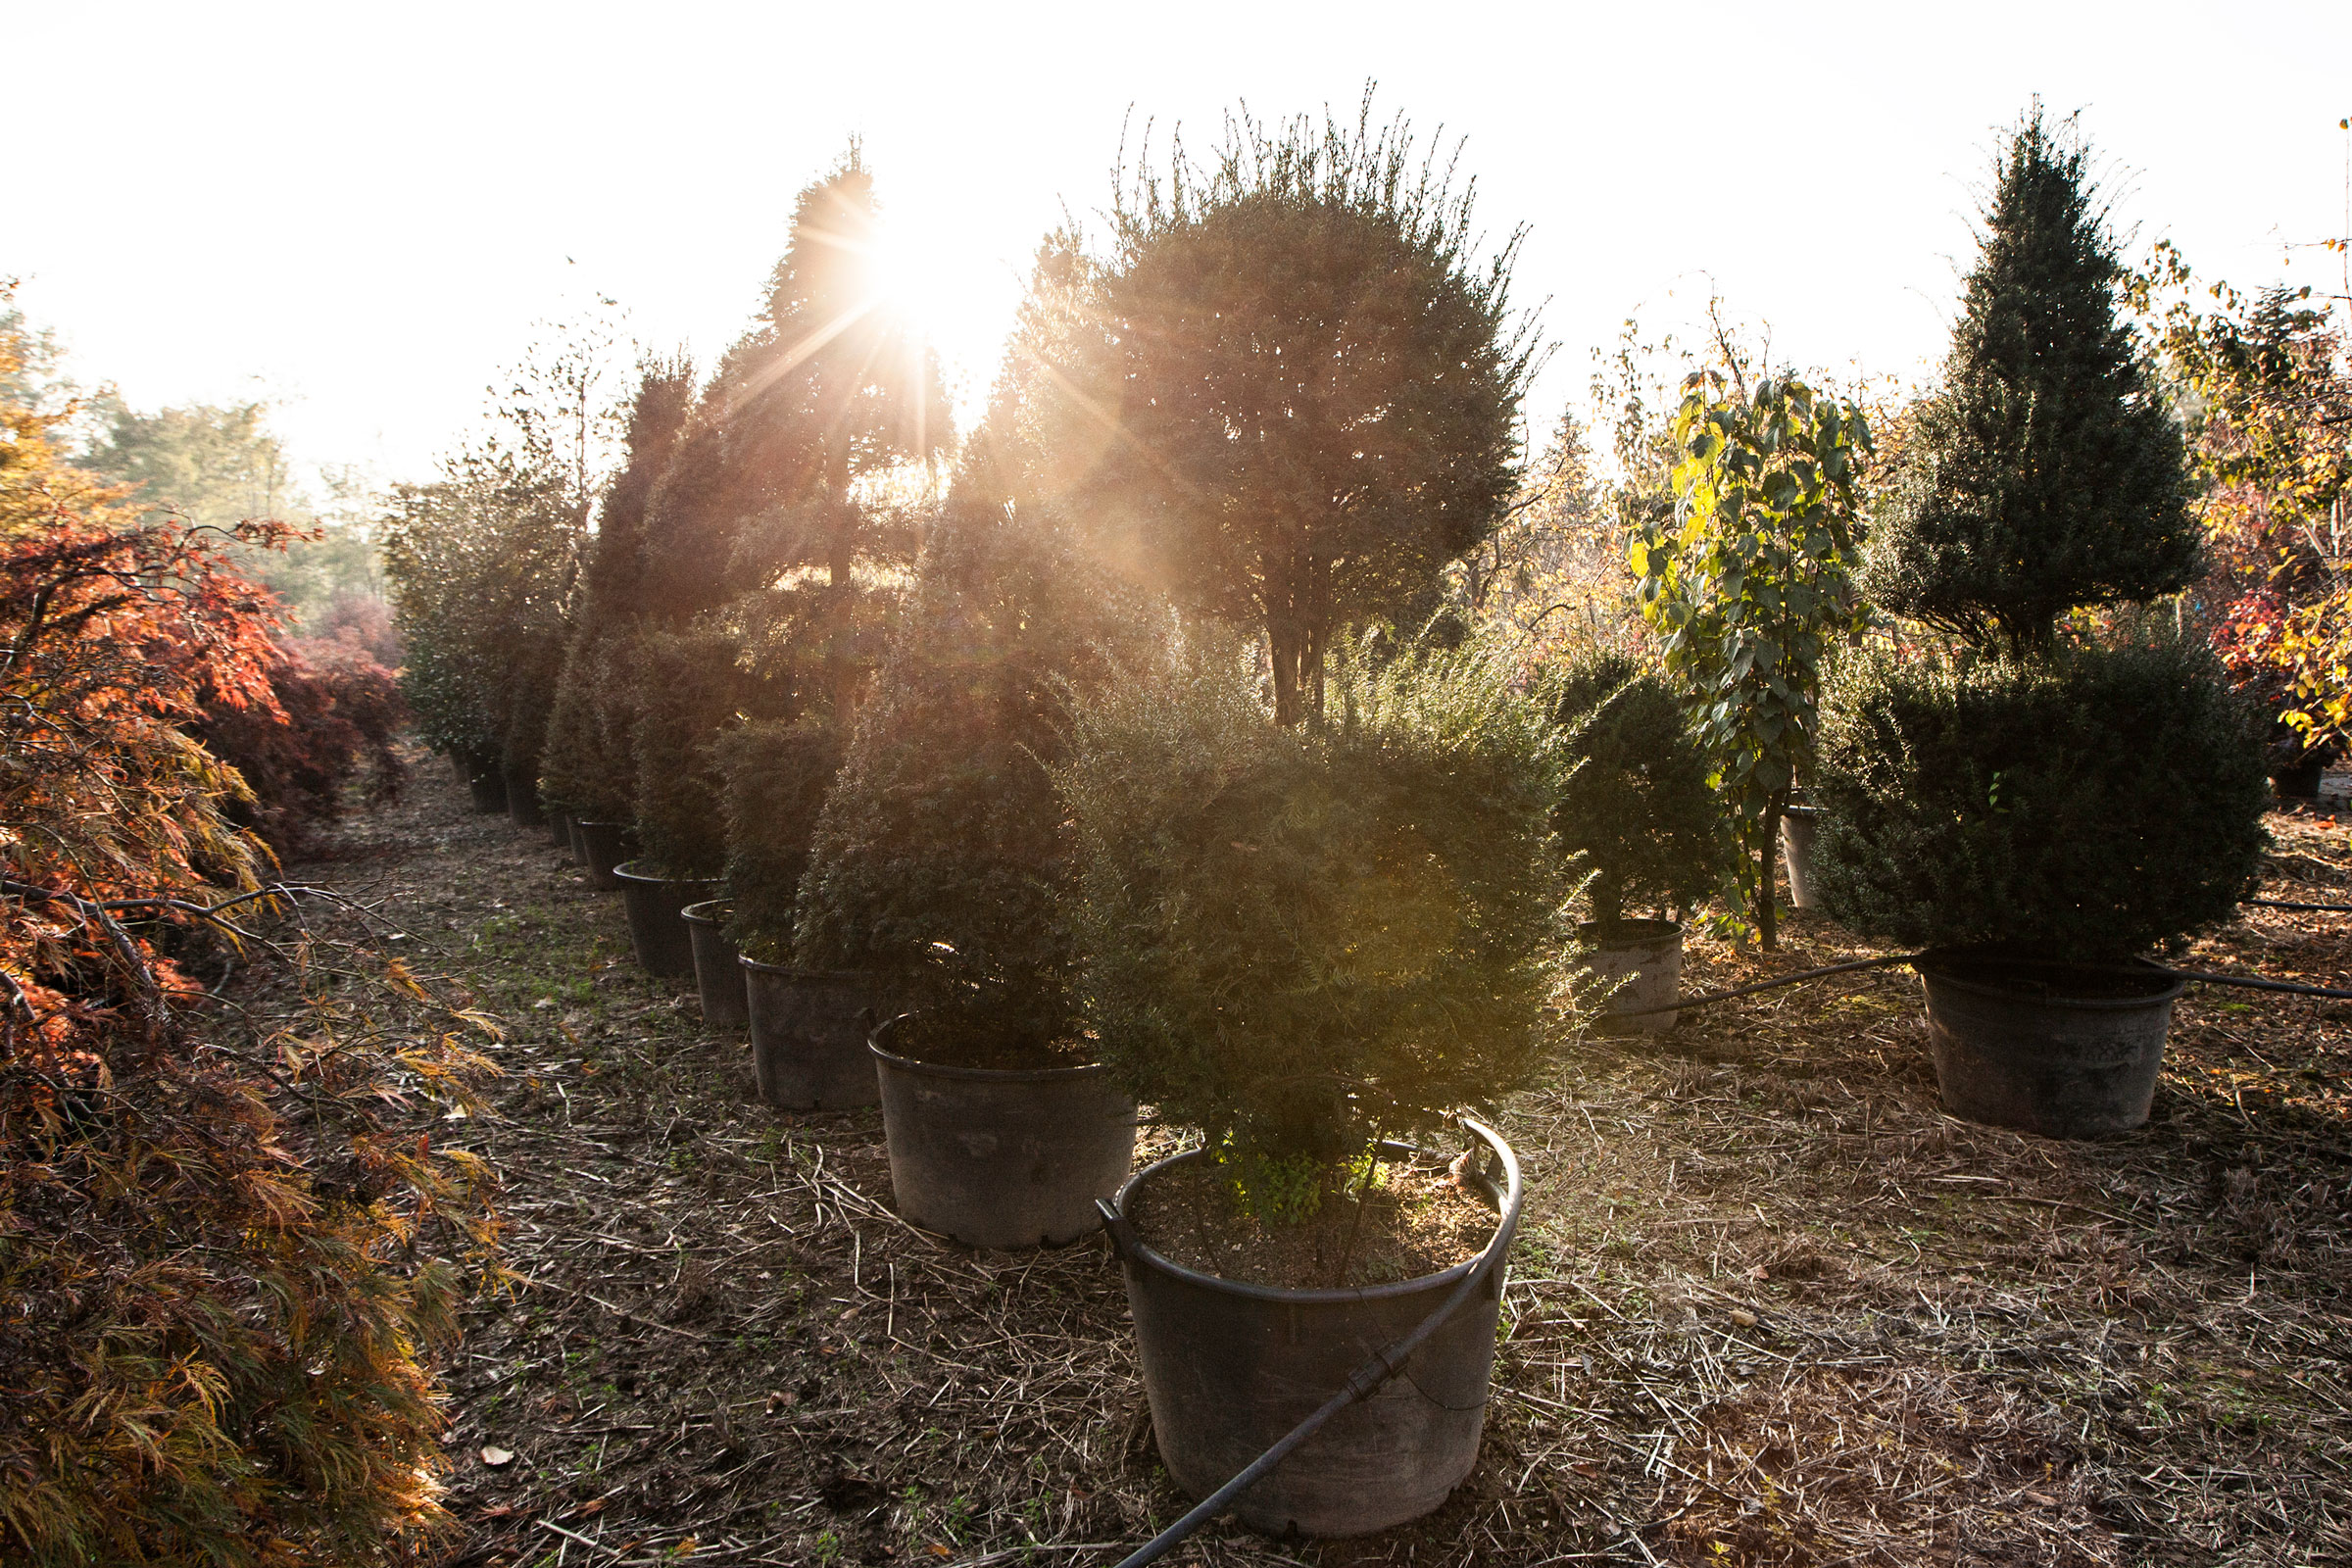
(489, 793)
(2057, 1050)
(1647, 955)
(602, 847)
(808, 1035)
(1002, 1157)
(1230, 1368)
(559, 829)
(657, 930)
(522, 801)
(717, 968)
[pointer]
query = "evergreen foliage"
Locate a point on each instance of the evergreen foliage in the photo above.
(2083, 807)
(587, 767)
(1313, 384)
(942, 856)
(2046, 472)
(1639, 808)
(1299, 939)
(692, 684)
(776, 775)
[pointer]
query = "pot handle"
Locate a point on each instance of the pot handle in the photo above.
(1123, 1234)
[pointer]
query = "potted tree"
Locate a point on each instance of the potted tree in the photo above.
(1639, 811)
(808, 1031)
(1310, 942)
(940, 871)
(693, 685)
(2062, 785)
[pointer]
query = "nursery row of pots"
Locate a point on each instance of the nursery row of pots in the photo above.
(1003, 1158)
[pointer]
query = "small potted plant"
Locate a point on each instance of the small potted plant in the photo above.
(807, 1030)
(1311, 942)
(2062, 785)
(941, 868)
(1639, 811)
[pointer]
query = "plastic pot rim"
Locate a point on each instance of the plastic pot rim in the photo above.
(692, 916)
(626, 871)
(1947, 969)
(920, 1068)
(1628, 933)
(1506, 1226)
(860, 976)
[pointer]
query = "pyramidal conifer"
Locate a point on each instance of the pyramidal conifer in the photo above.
(2047, 474)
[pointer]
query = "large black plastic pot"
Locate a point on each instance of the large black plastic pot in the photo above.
(1230, 1368)
(717, 967)
(808, 1035)
(602, 847)
(522, 801)
(657, 930)
(1647, 955)
(489, 793)
(1797, 826)
(559, 829)
(572, 834)
(1002, 1157)
(2048, 1049)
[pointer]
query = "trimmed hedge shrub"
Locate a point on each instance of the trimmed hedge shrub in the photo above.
(691, 685)
(776, 775)
(1637, 808)
(1299, 940)
(2083, 807)
(942, 855)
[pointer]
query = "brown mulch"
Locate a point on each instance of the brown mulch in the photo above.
(1769, 1304)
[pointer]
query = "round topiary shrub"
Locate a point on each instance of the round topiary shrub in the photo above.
(1299, 940)
(1637, 808)
(2083, 807)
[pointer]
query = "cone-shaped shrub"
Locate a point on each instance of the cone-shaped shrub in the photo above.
(1637, 808)
(1300, 939)
(942, 856)
(2028, 792)
(2046, 473)
(692, 685)
(587, 767)
(776, 775)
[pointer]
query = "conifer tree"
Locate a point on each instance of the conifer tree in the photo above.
(2046, 473)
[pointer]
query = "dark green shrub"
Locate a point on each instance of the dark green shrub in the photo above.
(1300, 939)
(1638, 808)
(942, 855)
(2083, 807)
(691, 685)
(776, 775)
(2046, 473)
(588, 767)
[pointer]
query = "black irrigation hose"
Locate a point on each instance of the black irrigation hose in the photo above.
(1366, 1381)
(2285, 903)
(2248, 981)
(1706, 996)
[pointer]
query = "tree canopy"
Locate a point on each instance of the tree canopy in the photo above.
(1312, 382)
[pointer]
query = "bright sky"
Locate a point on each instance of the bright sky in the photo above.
(361, 211)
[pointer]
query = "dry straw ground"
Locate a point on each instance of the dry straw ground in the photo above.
(1770, 1307)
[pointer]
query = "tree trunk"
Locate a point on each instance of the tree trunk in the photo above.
(841, 546)
(1282, 649)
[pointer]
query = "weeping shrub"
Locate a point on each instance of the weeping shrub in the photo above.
(1638, 808)
(2083, 807)
(1299, 940)
(942, 856)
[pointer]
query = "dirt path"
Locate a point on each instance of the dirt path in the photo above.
(1770, 1305)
